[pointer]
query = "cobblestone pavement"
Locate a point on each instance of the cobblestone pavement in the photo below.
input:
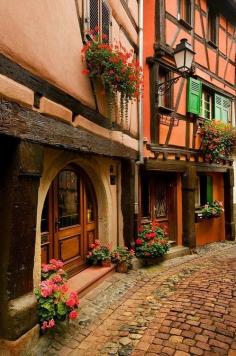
(185, 306)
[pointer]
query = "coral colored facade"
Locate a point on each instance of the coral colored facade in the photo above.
(175, 172)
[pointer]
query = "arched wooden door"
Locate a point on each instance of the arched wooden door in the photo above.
(69, 219)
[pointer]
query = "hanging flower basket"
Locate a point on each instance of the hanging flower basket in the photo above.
(218, 140)
(118, 71)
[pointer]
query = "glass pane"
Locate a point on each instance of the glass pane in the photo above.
(68, 199)
(90, 206)
(44, 219)
(161, 200)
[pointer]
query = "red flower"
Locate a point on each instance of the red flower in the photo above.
(139, 242)
(73, 314)
(85, 71)
(150, 235)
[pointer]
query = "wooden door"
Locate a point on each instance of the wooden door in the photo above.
(70, 216)
(163, 202)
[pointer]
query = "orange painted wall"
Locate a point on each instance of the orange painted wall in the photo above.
(179, 210)
(149, 39)
(213, 229)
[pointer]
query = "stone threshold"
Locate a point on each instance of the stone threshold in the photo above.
(89, 278)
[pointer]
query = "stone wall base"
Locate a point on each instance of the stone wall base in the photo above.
(21, 346)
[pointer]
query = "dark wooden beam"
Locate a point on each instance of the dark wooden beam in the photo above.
(189, 180)
(228, 204)
(43, 88)
(180, 166)
(21, 167)
(127, 200)
(29, 125)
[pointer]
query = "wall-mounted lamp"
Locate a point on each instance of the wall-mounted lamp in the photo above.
(183, 55)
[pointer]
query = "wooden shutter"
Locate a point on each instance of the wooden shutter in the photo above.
(206, 189)
(106, 20)
(222, 108)
(194, 96)
(209, 189)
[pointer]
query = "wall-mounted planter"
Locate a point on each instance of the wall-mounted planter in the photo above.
(199, 217)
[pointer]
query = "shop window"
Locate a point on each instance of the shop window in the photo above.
(164, 99)
(185, 12)
(204, 190)
(206, 104)
(212, 27)
(98, 16)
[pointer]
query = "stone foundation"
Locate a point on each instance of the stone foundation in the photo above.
(21, 346)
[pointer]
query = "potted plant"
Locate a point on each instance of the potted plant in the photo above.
(211, 210)
(114, 65)
(123, 257)
(54, 302)
(99, 254)
(218, 140)
(152, 242)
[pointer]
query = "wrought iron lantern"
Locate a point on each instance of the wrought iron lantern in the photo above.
(183, 55)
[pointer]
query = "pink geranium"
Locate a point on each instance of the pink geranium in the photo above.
(73, 314)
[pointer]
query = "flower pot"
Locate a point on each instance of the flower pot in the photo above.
(122, 267)
(151, 261)
(106, 263)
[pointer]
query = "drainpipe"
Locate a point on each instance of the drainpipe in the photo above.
(140, 118)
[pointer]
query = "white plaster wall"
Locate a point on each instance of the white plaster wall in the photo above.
(110, 220)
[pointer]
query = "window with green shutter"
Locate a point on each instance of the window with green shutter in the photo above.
(222, 108)
(194, 96)
(206, 189)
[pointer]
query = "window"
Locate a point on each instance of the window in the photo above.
(222, 108)
(185, 11)
(204, 190)
(98, 15)
(212, 26)
(206, 104)
(164, 100)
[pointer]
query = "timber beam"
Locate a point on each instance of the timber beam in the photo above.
(29, 125)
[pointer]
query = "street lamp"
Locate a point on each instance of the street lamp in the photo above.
(183, 55)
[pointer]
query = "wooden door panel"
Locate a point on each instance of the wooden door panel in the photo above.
(72, 220)
(70, 248)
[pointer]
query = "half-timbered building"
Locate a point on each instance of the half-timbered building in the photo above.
(176, 178)
(67, 170)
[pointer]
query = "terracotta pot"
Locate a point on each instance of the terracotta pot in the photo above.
(106, 263)
(122, 267)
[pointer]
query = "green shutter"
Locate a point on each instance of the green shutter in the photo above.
(209, 189)
(194, 96)
(222, 108)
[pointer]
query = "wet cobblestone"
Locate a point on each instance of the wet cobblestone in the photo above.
(185, 306)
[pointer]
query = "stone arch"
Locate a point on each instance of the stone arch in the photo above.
(54, 162)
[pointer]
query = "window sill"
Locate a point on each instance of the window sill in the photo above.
(185, 24)
(212, 44)
(165, 110)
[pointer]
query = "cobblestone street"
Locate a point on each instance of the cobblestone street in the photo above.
(186, 306)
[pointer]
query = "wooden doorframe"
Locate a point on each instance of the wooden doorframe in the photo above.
(84, 184)
(152, 178)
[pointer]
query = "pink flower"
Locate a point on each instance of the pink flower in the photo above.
(44, 325)
(56, 279)
(46, 288)
(57, 263)
(51, 323)
(70, 302)
(73, 314)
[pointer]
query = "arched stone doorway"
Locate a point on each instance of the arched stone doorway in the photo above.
(69, 219)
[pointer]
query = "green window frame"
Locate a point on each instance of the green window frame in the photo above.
(194, 96)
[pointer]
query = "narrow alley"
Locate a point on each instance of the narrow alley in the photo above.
(186, 306)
